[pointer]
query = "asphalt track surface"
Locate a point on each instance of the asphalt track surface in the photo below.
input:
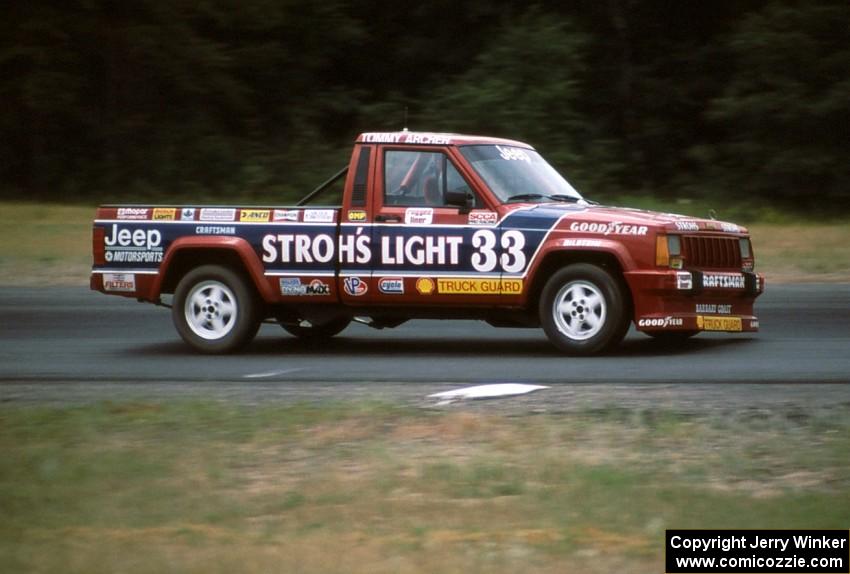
(58, 343)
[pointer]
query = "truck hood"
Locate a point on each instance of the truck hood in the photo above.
(628, 216)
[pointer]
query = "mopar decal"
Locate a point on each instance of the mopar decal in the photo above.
(132, 213)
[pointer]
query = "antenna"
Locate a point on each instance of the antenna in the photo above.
(405, 119)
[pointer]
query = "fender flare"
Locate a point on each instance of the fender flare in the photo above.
(554, 247)
(607, 246)
(239, 246)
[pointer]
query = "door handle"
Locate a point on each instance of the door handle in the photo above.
(387, 218)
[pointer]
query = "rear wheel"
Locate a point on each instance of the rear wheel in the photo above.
(584, 310)
(215, 310)
(320, 331)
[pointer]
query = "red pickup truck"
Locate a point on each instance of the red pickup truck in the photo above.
(438, 226)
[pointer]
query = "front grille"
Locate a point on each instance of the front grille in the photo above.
(711, 252)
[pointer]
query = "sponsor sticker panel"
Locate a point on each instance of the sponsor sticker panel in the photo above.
(125, 245)
(714, 308)
(483, 217)
(164, 214)
(218, 214)
(707, 323)
(425, 285)
(391, 285)
(319, 216)
(611, 228)
(724, 281)
(119, 282)
(254, 215)
(464, 286)
(293, 286)
(418, 216)
(661, 322)
(355, 286)
(281, 215)
(132, 213)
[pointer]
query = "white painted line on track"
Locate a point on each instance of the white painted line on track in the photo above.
(271, 374)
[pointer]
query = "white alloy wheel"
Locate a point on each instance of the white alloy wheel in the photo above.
(579, 310)
(211, 310)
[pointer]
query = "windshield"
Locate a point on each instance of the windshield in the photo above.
(518, 174)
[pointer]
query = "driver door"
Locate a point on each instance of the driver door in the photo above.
(418, 239)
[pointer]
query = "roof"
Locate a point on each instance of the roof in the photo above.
(430, 138)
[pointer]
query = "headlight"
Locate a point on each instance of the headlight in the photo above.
(668, 251)
(744, 246)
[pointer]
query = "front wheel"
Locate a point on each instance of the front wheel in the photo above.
(215, 310)
(584, 310)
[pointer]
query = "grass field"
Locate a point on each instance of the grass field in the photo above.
(209, 487)
(44, 244)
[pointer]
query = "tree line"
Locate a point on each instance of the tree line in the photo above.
(261, 99)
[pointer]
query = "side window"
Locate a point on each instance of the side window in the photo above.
(419, 178)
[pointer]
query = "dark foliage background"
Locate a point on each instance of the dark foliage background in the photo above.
(260, 99)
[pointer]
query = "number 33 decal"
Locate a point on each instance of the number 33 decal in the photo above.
(484, 259)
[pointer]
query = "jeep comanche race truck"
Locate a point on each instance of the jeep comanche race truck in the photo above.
(438, 226)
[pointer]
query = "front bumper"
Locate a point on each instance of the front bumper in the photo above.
(694, 300)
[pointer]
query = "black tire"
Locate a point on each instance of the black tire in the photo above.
(215, 309)
(671, 337)
(317, 332)
(584, 310)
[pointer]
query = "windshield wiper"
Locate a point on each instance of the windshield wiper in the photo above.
(566, 198)
(556, 197)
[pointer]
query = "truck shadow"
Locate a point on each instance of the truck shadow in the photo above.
(399, 348)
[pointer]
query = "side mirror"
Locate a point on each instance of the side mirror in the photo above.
(459, 198)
